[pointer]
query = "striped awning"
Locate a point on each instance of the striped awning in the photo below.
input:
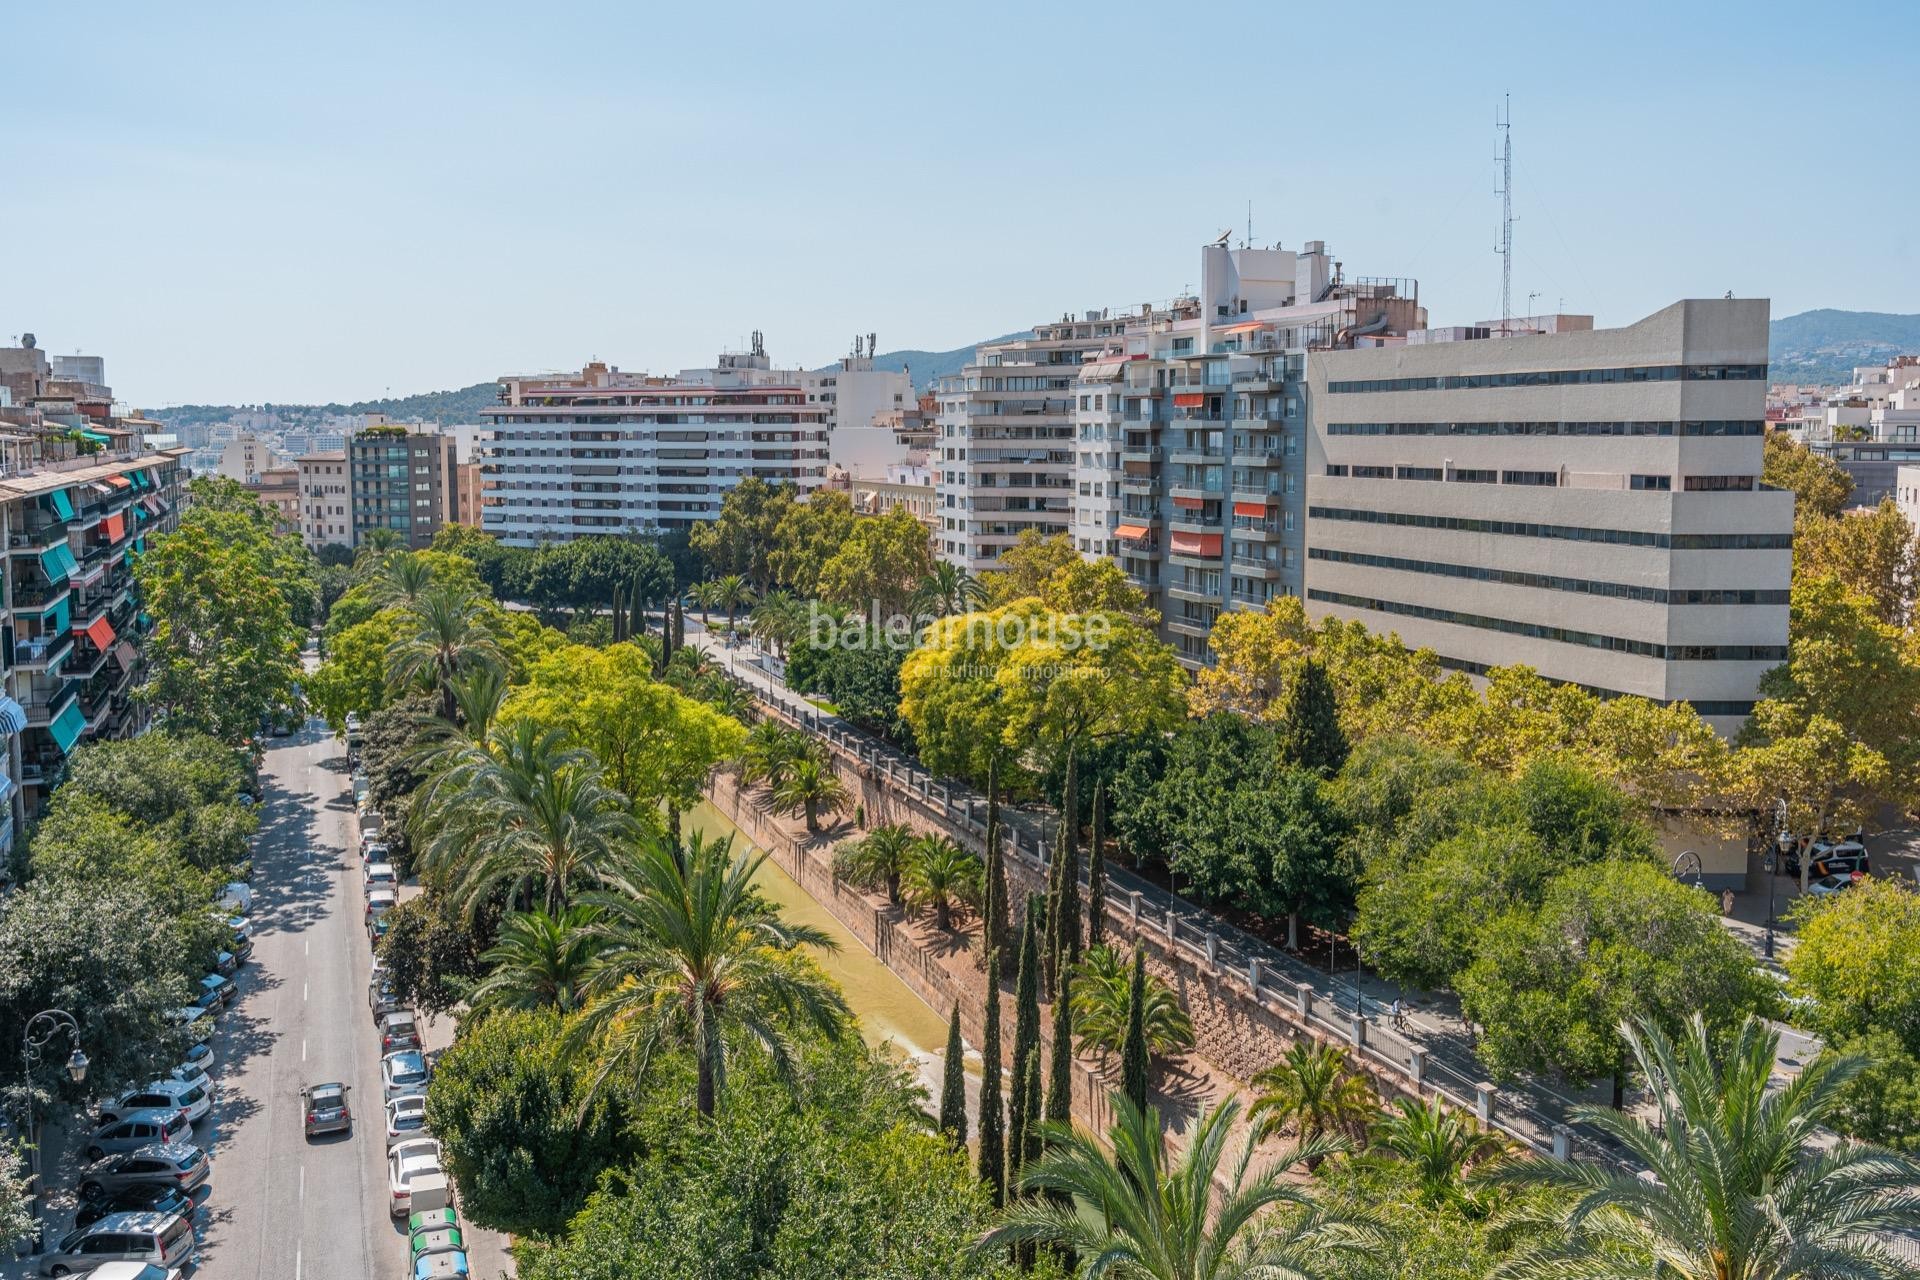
(100, 631)
(124, 655)
(13, 716)
(1196, 544)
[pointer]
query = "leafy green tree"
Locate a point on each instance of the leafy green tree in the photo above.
(1873, 553)
(1858, 959)
(1103, 1006)
(696, 959)
(807, 536)
(1135, 1065)
(234, 516)
(540, 961)
(953, 1086)
(353, 679)
(1028, 565)
(1881, 1105)
(1097, 870)
(1023, 1112)
(432, 950)
(1610, 942)
(1314, 1093)
(1423, 924)
(1820, 485)
(880, 565)
(519, 1132)
(1310, 736)
(1743, 1184)
(996, 927)
(184, 787)
(863, 684)
(742, 539)
(1060, 1065)
(1202, 1218)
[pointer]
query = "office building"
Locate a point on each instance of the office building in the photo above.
(1584, 501)
(326, 512)
(603, 451)
(400, 480)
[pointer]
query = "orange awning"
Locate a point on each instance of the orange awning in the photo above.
(120, 482)
(1191, 504)
(1130, 531)
(100, 631)
(1242, 327)
(116, 527)
(1249, 508)
(1189, 399)
(1196, 544)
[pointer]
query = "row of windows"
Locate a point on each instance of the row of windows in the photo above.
(1553, 582)
(1567, 533)
(1562, 635)
(1705, 708)
(1560, 378)
(1734, 428)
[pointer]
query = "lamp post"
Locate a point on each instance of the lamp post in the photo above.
(1782, 843)
(1688, 865)
(40, 1032)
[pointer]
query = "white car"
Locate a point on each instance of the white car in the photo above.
(406, 1161)
(189, 1100)
(403, 1073)
(380, 875)
(194, 1075)
(406, 1119)
(237, 898)
(1828, 886)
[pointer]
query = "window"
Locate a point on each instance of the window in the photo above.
(1373, 473)
(1570, 533)
(1719, 484)
(1557, 378)
(1635, 428)
(1472, 475)
(1418, 473)
(1336, 468)
(1661, 483)
(1547, 479)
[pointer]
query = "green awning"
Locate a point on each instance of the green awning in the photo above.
(62, 504)
(139, 479)
(56, 618)
(97, 437)
(68, 726)
(58, 563)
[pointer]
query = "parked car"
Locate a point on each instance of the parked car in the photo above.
(237, 897)
(162, 1239)
(403, 1073)
(177, 1164)
(407, 1161)
(378, 929)
(134, 1271)
(406, 1118)
(374, 851)
(242, 943)
(140, 1129)
(380, 997)
(380, 875)
(379, 902)
(1846, 854)
(220, 988)
(226, 964)
(189, 1073)
(1828, 886)
(199, 1056)
(146, 1197)
(326, 1108)
(189, 1100)
(399, 1030)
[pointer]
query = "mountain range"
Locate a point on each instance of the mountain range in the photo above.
(1812, 347)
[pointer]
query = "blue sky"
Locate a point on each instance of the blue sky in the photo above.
(324, 201)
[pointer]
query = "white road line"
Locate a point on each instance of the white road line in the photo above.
(303, 992)
(296, 1262)
(303, 1058)
(302, 1194)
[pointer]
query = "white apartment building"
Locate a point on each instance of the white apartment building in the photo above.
(602, 451)
(1585, 502)
(861, 403)
(326, 511)
(245, 457)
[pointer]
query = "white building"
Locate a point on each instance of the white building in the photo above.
(245, 457)
(861, 404)
(326, 506)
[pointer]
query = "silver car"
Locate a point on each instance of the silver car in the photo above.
(159, 1239)
(173, 1164)
(141, 1129)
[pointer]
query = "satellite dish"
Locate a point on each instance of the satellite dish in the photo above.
(1221, 242)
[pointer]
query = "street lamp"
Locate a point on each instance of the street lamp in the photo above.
(1783, 844)
(40, 1032)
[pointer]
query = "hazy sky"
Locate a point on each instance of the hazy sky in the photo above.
(320, 201)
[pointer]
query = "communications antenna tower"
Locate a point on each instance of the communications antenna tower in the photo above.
(1504, 123)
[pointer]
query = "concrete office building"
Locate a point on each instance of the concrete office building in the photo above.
(608, 452)
(1587, 502)
(326, 514)
(400, 480)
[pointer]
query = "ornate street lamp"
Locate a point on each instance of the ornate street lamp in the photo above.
(40, 1032)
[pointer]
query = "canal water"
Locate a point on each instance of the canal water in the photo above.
(890, 1013)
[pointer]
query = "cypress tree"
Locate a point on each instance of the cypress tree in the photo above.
(1063, 911)
(993, 911)
(1310, 735)
(1060, 1082)
(619, 616)
(953, 1086)
(1026, 1045)
(1133, 1053)
(993, 1151)
(1097, 871)
(637, 624)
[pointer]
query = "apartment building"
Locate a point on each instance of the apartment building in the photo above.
(468, 488)
(326, 515)
(603, 451)
(863, 404)
(245, 457)
(1004, 444)
(278, 488)
(403, 480)
(1585, 501)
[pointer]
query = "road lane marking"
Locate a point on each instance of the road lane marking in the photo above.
(303, 1058)
(302, 1193)
(303, 993)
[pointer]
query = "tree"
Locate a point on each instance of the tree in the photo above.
(1134, 1063)
(1611, 941)
(877, 860)
(1310, 737)
(1872, 553)
(400, 580)
(1023, 1112)
(432, 950)
(521, 1138)
(353, 679)
(732, 594)
(1060, 1065)
(811, 788)
(1442, 1144)
(1103, 1007)
(1820, 485)
(1881, 1105)
(881, 563)
(807, 536)
(862, 683)
(1858, 960)
(1063, 886)
(993, 1152)
(184, 788)
(994, 923)
(695, 958)
(1144, 1218)
(442, 637)
(953, 1086)
(1097, 870)
(743, 537)
(540, 961)
(223, 654)
(1743, 1184)
(947, 589)
(940, 874)
(1314, 1093)
(1028, 565)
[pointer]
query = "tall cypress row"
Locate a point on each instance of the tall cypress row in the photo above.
(1097, 870)
(993, 1150)
(1023, 1117)
(1063, 912)
(993, 911)
(953, 1086)
(1060, 1080)
(1133, 1052)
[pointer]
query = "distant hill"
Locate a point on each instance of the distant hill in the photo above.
(463, 405)
(1823, 346)
(928, 365)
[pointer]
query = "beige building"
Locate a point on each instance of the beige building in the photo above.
(325, 517)
(279, 488)
(245, 457)
(467, 488)
(1587, 502)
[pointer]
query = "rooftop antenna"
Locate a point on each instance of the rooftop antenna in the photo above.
(1530, 297)
(1248, 242)
(1504, 123)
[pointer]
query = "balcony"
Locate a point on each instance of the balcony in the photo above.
(1188, 489)
(33, 540)
(1248, 567)
(1194, 627)
(1141, 486)
(1180, 589)
(1149, 454)
(43, 711)
(1257, 530)
(42, 651)
(38, 595)
(1257, 460)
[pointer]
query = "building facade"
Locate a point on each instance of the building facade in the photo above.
(863, 404)
(1586, 502)
(607, 452)
(279, 489)
(326, 505)
(401, 480)
(468, 486)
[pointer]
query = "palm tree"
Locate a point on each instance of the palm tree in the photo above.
(940, 874)
(707, 596)
(1313, 1092)
(778, 620)
(877, 860)
(1745, 1184)
(772, 748)
(1130, 1215)
(733, 594)
(728, 698)
(448, 634)
(810, 787)
(375, 543)
(692, 954)
(949, 589)
(540, 961)
(1102, 988)
(1441, 1144)
(527, 815)
(401, 580)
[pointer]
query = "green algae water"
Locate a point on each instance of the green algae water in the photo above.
(889, 1012)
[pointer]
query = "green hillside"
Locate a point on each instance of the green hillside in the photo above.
(1823, 346)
